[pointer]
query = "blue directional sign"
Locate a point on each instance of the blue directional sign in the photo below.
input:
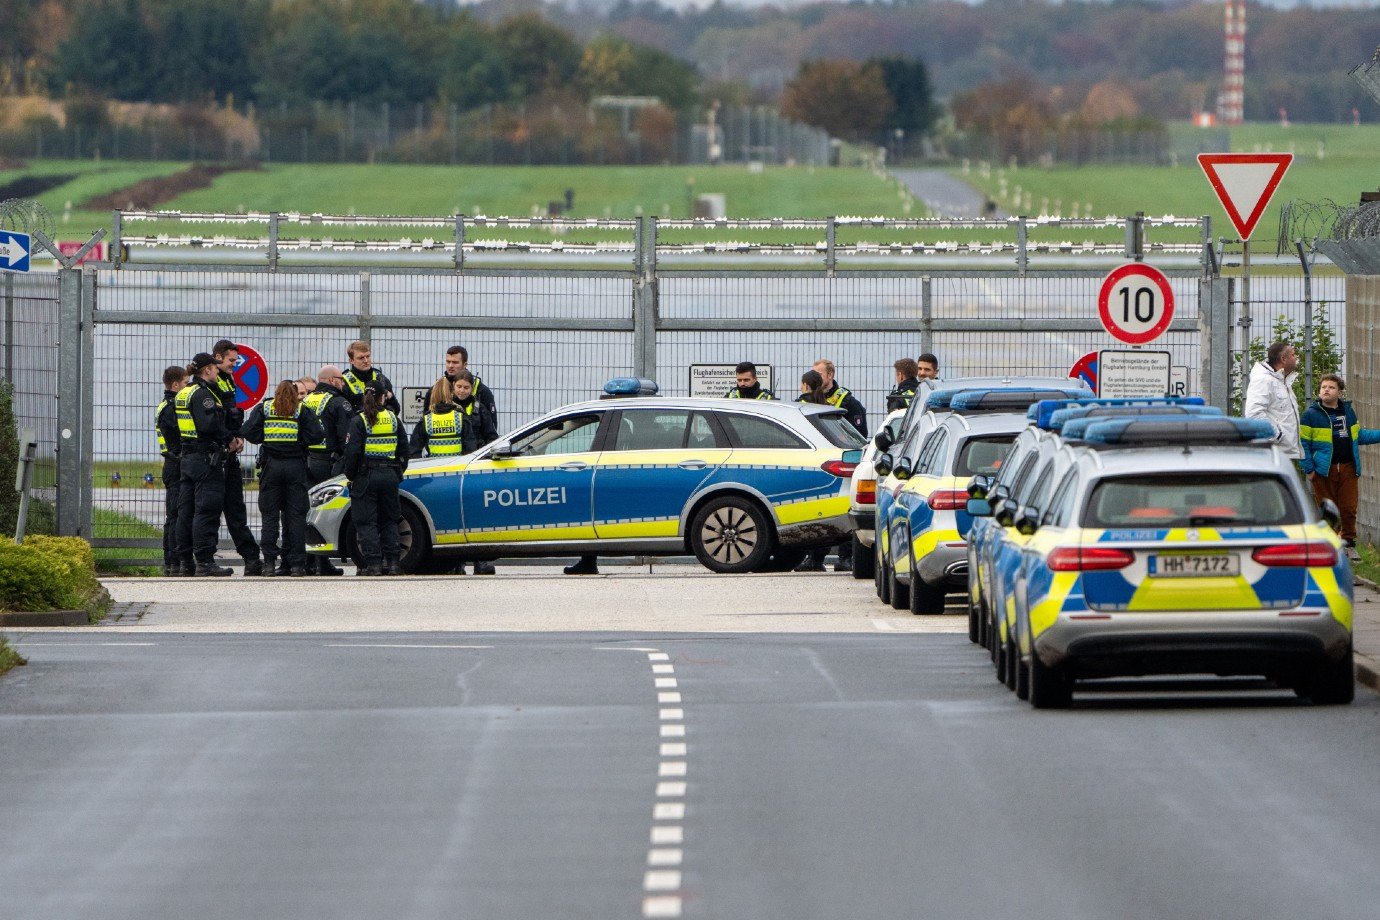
(14, 251)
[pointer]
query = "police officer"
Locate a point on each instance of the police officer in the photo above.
(204, 441)
(748, 387)
(814, 388)
(907, 384)
(375, 459)
(236, 515)
(170, 447)
(323, 459)
(457, 361)
(445, 430)
(361, 373)
(928, 367)
(480, 416)
(285, 428)
(841, 398)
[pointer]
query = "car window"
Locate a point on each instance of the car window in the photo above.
(984, 455)
(932, 454)
(1061, 506)
(703, 434)
(1030, 490)
(752, 432)
(1196, 500)
(651, 429)
(1022, 473)
(573, 435)
(838, 430)
(1039, 491)
(914, 441)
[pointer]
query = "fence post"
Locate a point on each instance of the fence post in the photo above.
(926, 315)
(70, 426)
(88, 396)
(1214, 326)
(273, 241)
(117, 226)
(1022, 246)
(830, 250)
(366, 314)
(645, 299)
(459, 242)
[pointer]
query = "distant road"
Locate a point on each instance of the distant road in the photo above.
(942, 193)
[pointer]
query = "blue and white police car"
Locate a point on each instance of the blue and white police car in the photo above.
(743, 485)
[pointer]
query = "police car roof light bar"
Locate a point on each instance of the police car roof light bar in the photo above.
(1179, 432)
(1041, 411)
(1004, 400)
(1061, 420)
(620, 387)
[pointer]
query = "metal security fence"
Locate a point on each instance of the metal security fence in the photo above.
(551, 324)
(28, 362)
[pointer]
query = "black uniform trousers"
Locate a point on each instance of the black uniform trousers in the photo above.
(172, 484)
(201, 500)
(236, 515)
(283, 498)
(320, 467)
(376, 511)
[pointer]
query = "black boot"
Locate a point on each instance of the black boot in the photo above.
(588, 565)
(270, 570)
(324, 567)
(393, 568)
(369, 571)
(211, 570)
(487, 568)
(253, 568)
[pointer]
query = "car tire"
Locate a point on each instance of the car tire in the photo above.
(748, 541)
(1012, 658)
(899, 592)
(862, 559)
(1022, 675)
(974, 620)
(1333, 684)
(783, 560)
(925, 599)
(1000, 659)
(879, 574)
(1050, 688)
(416, 553)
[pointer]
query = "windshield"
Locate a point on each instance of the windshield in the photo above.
(983, 456)
(1191, 500)
(839, 431)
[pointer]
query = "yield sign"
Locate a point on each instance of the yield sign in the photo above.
(1244, 183)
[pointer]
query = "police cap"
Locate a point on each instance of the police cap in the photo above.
(202, 360)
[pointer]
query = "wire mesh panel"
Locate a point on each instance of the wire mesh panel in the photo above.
(29, 361)
(203, 290)
(501, 296)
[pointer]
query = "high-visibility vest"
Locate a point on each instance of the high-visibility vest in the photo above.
(227, 387)
(356, 384)
(182, 406)
(381, 441)
(836, 400)
(762, 394)
(443, 430)
(157, 414)
(317, 401)
(277, 429)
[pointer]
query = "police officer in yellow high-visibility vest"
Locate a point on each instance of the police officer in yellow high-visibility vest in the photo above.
(445, 430)
(285, 428)
(376, 454)
(204, 439)
(170, 447)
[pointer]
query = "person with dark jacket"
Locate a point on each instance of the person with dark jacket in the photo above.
(333, 410)
(481, 417)
(748, 386)
(170, 447)
(458, 406)
(814, 388)
(841, 398)
(457, 361)
(376, 452)
(444, 430)
(204, 443)
(227, 355)
(286, 429)
(907, 385)
(1330, 435)
(361, 374)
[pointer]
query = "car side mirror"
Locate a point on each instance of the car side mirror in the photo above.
(1331, 513)
(1027, 522)
(882, 465)
(1003, 511)
(501, 450)
(902, 469)
(979, 507)
(883, 439)
(979, 486)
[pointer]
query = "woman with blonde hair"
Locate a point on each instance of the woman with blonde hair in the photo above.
(444, 430)
(285, 431)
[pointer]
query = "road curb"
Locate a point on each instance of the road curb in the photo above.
(46, 618)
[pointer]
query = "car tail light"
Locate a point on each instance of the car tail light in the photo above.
(948, 500)
(1089, 559)
(840, 468)
(1297, 555)
(867, 492)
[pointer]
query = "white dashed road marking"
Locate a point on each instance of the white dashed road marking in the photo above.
(663, 884)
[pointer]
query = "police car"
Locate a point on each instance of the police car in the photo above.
(743, 485)
(1214, 560)
(862, 509)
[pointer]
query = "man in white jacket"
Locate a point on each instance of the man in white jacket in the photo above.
(1270, 396)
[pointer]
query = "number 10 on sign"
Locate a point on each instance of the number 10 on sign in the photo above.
(1135, 303)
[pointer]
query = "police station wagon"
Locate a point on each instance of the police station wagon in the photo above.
(743, 485)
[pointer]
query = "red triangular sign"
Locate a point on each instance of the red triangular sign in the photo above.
(1244, 183)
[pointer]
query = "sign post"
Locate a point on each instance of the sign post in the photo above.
(1244, 183)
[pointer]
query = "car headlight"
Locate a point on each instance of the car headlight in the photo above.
(324, 494)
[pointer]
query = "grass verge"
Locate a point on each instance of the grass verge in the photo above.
(116, 560)
(9, 658)
(1369, 565)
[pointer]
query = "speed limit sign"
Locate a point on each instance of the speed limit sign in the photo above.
(1135, 303)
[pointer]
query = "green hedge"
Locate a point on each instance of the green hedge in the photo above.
(9, 658)
(50, 573)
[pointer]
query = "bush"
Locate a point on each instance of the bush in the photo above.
(9, 658)
(1327, 357)
(50, 573)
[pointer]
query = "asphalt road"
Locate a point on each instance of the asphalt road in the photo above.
(153, 774)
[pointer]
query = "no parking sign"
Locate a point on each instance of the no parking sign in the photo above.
(251, 377)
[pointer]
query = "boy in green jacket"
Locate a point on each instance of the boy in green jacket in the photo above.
(1330, 436)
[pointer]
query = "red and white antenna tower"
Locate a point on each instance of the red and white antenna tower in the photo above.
(1231, 103)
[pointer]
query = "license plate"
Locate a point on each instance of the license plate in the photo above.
(1195, 565)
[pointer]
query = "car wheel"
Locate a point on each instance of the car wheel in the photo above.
(974, 620)
(414, 540)
(1012, 658)
(925, 599)
(879, 574)
(1333, 684)
(1000, 659)
(1050, 688)
(349, 542)
(900, 592)
(1022, 675)
(731, 535)
(862, 560)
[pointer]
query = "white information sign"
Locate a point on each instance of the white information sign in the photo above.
(1178, 380)
(413, 404)
(713, 380)
(1133, 374)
